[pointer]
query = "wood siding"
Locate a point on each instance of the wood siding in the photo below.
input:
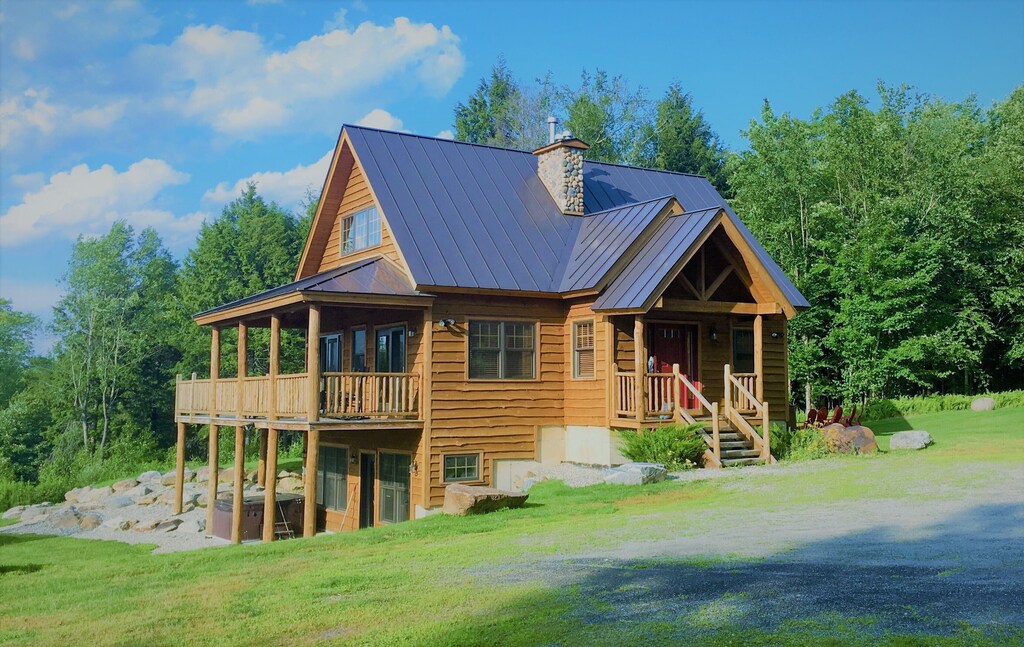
(496, 417)
(586, 399)
(357, 197)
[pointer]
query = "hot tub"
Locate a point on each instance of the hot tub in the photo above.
(289, 508)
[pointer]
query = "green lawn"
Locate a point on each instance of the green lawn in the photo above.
(427, 582)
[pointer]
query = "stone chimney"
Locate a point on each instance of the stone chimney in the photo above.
(560, 167)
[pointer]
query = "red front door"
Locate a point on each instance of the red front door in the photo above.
(676, 344)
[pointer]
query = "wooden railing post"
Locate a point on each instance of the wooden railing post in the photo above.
(275, 363)
(766, 452)
(243, 368)
(727, 400)
(640, 364)
(313, 364)
(716, 430)
(759, 358)
(677, 394)
(214, 368)
(177, 394)
(192, 396)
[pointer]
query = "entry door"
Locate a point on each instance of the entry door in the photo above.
(394, 487)
(367, 478)
(390, 350)
(330, 353)
(676, 344)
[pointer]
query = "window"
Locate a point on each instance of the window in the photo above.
(583, 349)
(743, 350)
(390, 354)
(332, 477)
(394, 487)
(330, 353)
(502, 350)
(359, 350)
(461, 467)
(361, 230)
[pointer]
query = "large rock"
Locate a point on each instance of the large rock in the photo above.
(123, 486)
(77, 495)
(139, 490)
(636, 474)
(193, 526)
(119, 501)
(227, 475)
(203, 474)
(849, 440)
(89, 521)
(983, 404)
(65, 518)
(151, 475)
(167, 525)
(462, 499)
(914, 439)
(14, 512)
(37, 512)
(291, 485)
(96, 495)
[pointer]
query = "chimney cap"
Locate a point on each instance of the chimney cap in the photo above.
(569, 142)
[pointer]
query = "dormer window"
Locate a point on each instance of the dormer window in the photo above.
(360, 231)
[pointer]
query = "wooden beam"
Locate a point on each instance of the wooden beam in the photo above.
(717, 283)
(179, 469)
(759, 357)
(721, 307)
(236, 500)
(312, 460)
(689, 286)
(243, 367)
(261, 465)
(750, 260)
(214, 368)
(211, 486)
(275, 362)
(640, 365)
(270, 493)
(313, 364)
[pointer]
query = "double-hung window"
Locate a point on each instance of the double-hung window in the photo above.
(583, 349)
(502, 350)
(360, 231)
(461, 467)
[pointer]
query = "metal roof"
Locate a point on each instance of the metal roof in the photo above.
(373, 276)
(603, 238)
(473, 216)
(673, 240)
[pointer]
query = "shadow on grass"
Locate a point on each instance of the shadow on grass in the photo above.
(11, 539)
(20, 568)
(962, 578)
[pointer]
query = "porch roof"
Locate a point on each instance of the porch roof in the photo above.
(377, 277)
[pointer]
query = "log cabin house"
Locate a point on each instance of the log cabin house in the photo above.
(470, 310)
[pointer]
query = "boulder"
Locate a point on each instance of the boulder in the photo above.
(96, 495)
(167, 525)
(119, 501)
(291, 485)
(90, 521)
(77, 494)
(65, 518)
(193, 526)
(14, 512)
(849, 440)
(139, 490)
(983, 404)
(636, 474)
(122, 486)
(462, 499)
(149, 499)
(284, 474)
(914, 439)
(227, 475)
(167, 479)
(146, 526)
(203, 474)
(36, 512)
(151, 475)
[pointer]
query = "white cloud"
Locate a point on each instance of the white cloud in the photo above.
(287, 188)
(85, 202)
(445, 134)
(232, 81)
(31, 114)
(382, 119)
(36, 297)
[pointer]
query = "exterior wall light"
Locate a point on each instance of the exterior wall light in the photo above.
(713, 331)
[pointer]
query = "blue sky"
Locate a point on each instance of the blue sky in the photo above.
(158, 112)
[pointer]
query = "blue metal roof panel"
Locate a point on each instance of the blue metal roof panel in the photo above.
(641, 276)
(603, 238)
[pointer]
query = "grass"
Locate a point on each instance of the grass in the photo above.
(452, 581)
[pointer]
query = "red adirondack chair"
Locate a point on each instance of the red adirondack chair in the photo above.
(822, 414)
(848, 421)
(837, 415)
(812, 417)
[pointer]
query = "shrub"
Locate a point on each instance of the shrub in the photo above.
(797, 444)
(14, 493)
(675, 446)
(898, 407)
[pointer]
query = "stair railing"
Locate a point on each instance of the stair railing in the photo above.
(713, 455)
(734, 388)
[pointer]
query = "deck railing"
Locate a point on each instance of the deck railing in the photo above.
(737, 395)
(743, 397)
(362, 395)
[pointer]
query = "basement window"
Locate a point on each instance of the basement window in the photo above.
(360, 231)
(461, 467)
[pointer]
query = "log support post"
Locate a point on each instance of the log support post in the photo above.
(214, 368)
(239, 474)
(270, 493)
(179, 469)
(640, 365)
(313, 364)
(211, 486)
(261, 466)
(759, 357)
(243, 368)
(275, 362)
(312, 458)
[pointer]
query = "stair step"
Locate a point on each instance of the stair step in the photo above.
(741, 461)
(734, 444)
(740, 453)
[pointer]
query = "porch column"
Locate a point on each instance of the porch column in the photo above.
(243, 367)
(313, 365)
(214, 368)
(312, 457)
(211, 486)
(236, 500)
(179, 469)
(270, 493)
(759, 357)
(640, 365)
(275, 362)
(261, 465)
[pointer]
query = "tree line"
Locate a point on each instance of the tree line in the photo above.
(901, 219)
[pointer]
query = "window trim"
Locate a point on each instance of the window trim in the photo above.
(479, 467)
(575, 351)
(503, 320)
(341, 231)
